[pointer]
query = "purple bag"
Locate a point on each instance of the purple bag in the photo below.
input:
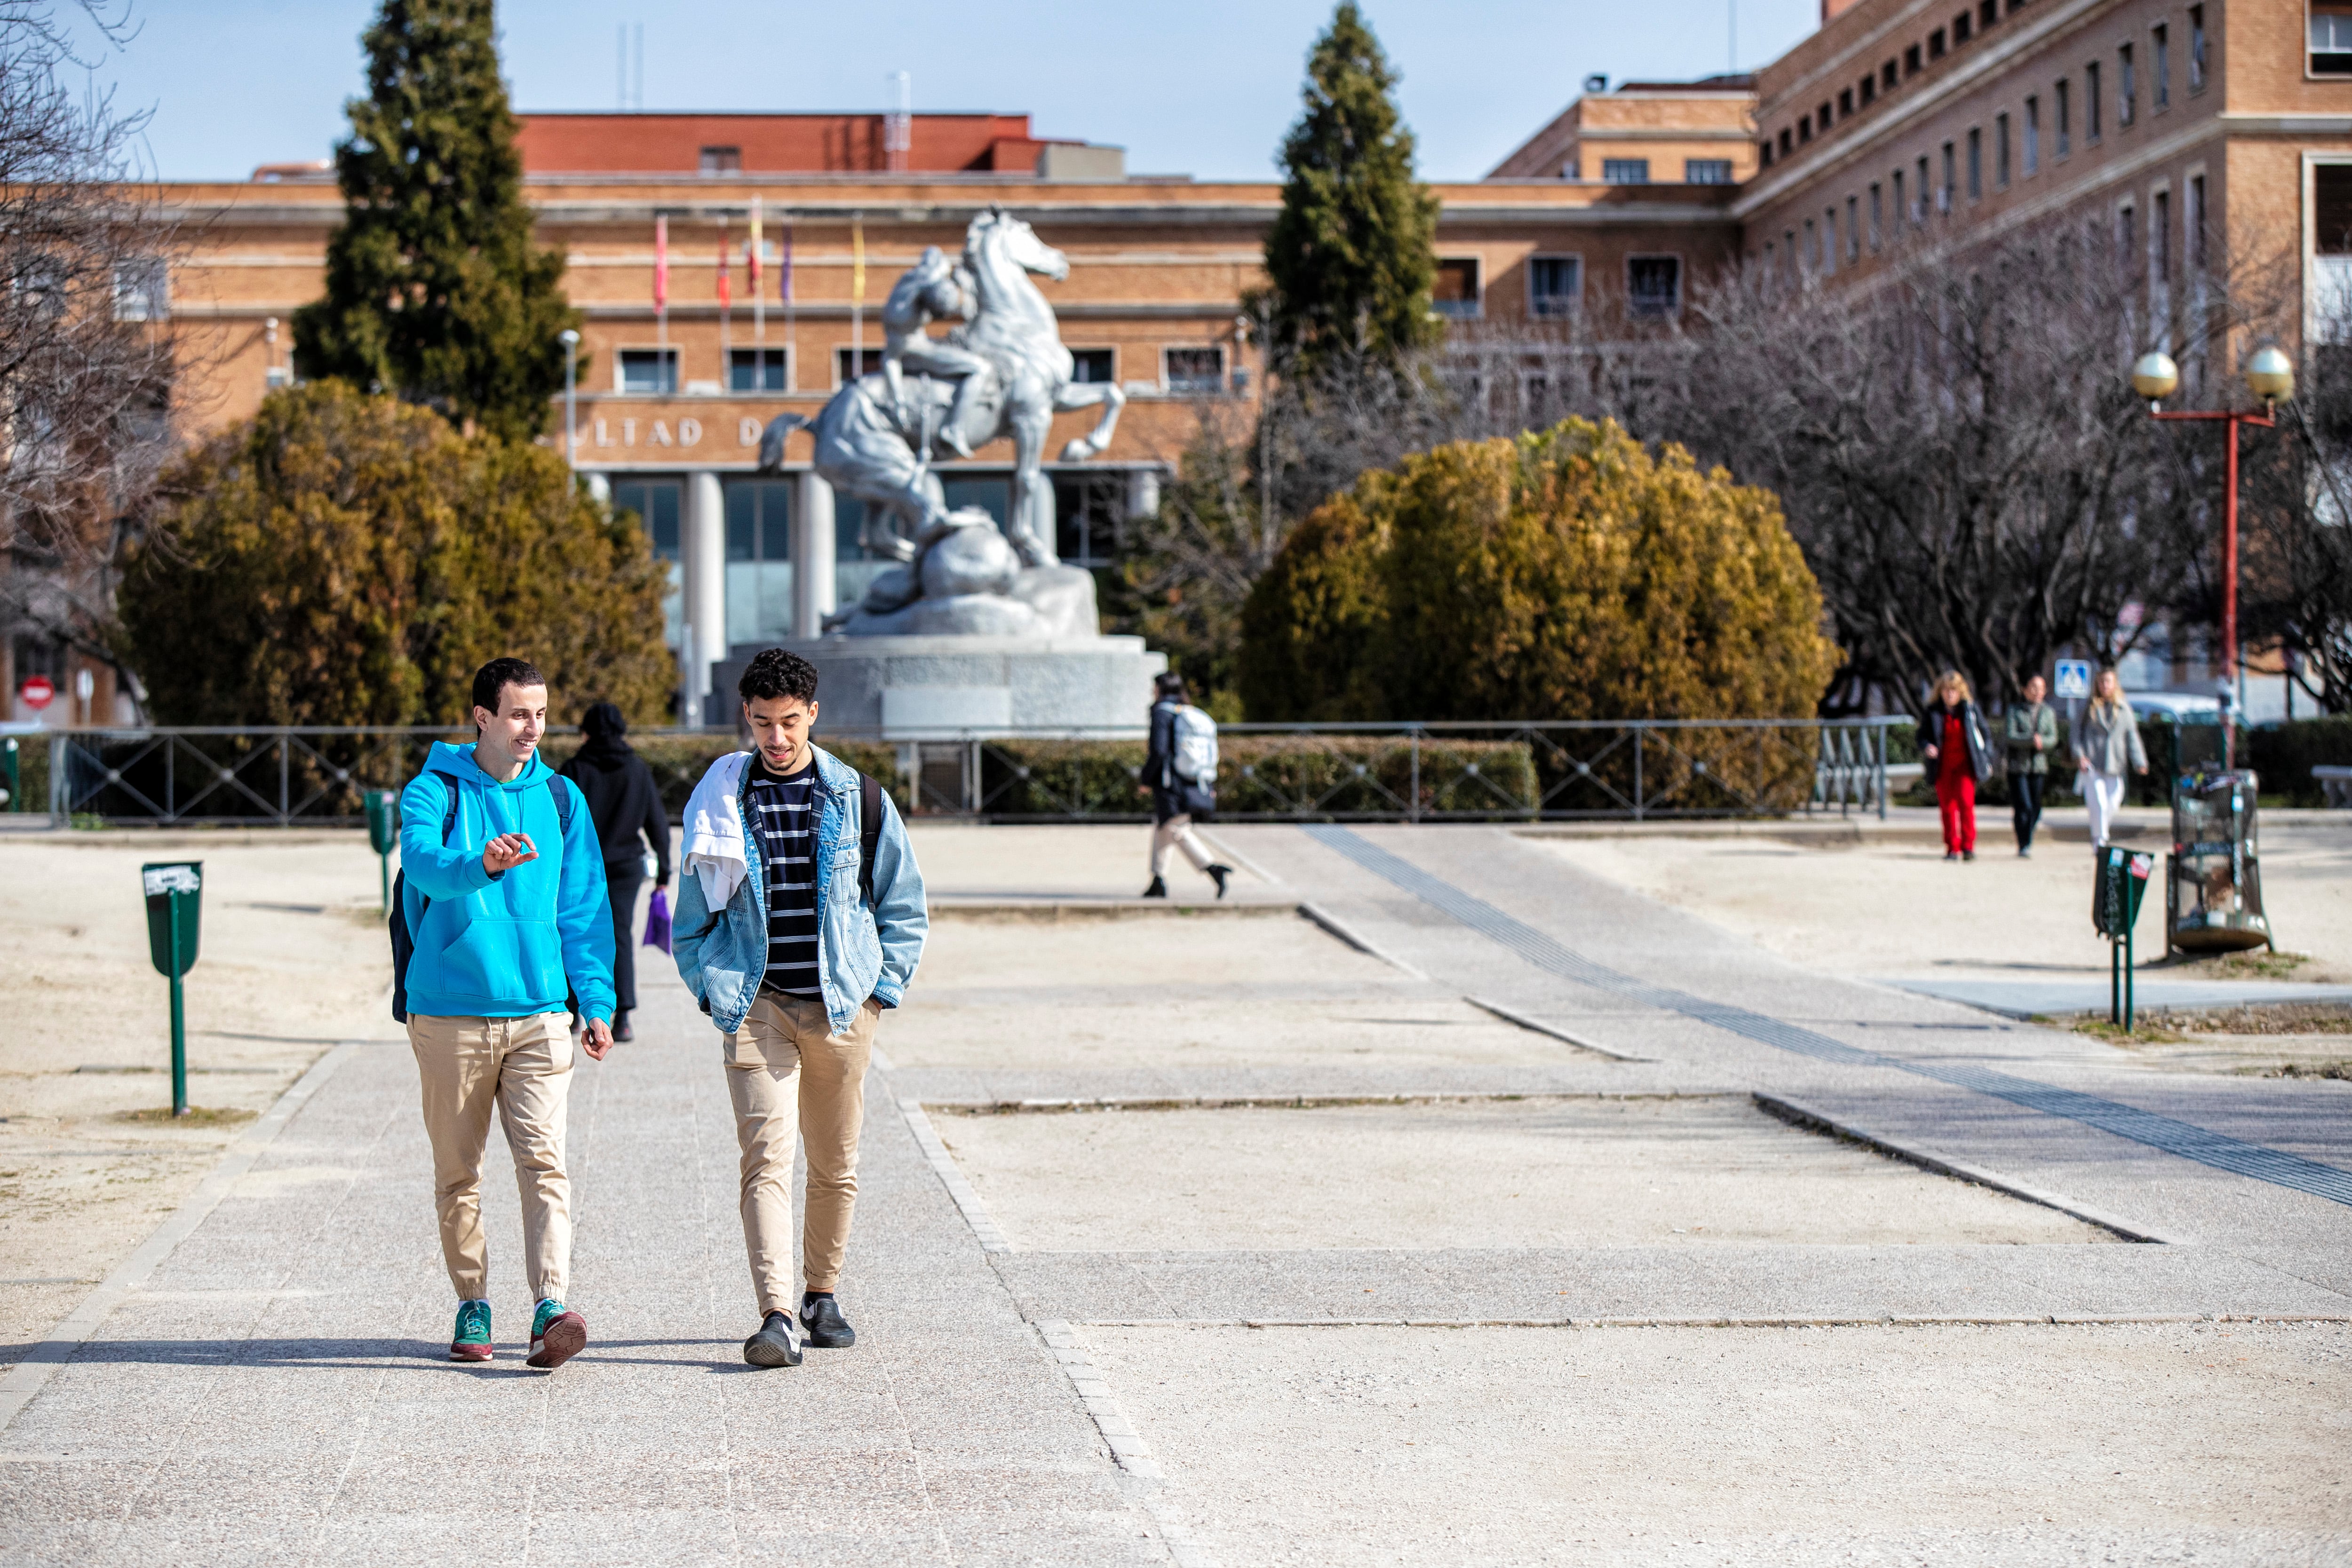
(658, 920)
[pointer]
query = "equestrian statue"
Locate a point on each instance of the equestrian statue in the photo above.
(1003, 372)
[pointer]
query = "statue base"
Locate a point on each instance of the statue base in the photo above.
(913, 687)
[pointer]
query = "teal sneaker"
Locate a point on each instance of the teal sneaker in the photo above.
(557, 1335)
(470, 1341)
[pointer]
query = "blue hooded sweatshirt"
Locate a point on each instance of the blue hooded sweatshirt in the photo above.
(503, 946)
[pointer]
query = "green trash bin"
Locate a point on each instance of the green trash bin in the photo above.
(384, 835)
(176, 895)
(2115, 910)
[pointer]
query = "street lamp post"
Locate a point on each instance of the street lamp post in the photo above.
(570, 342)
(2269, 375)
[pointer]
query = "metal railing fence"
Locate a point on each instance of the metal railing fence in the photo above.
(1565, 770)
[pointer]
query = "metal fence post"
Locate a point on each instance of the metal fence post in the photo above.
(1637, 770)
(60, 806)
(1882, 770)
(1412, 801)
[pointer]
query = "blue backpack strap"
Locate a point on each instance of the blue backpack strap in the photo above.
(562, 789)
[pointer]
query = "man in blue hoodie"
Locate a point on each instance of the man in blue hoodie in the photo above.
(506, 902)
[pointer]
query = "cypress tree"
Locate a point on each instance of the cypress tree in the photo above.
(434, 292)
(1351, 256)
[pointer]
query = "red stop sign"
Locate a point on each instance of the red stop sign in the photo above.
(37, 693)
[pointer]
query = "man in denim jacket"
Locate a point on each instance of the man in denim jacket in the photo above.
(775, 939)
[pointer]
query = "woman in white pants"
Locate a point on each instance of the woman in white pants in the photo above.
(2106, 741)
(1176, 800)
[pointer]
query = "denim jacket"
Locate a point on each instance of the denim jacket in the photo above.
(723, 954)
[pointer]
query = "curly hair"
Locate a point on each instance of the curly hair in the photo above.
(778, 672)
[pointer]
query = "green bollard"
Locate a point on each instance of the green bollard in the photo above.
(175, 892)
(384, 833)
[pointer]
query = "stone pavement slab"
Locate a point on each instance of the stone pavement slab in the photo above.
(2050, 998)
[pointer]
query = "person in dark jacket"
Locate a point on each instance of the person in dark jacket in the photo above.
(626, 807)
(1176, 801)
(1959, 753)
(2030, 729)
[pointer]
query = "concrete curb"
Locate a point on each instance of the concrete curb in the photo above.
(1802, 1115)
(1047, 910)
(1128, 1448)
(1296, 1102)
(943, 1165)
(45, 1356)
(1533, 1027)
(1347, 934)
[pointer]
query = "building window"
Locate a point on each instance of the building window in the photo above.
(1829, 243)
(2331, 38)
(2331, 210)
(1923, 198)
(1654, 285)
(1976, 163)
(1962, 25)
(1454, 291)
(1950, 187)
(722, 161)
(650, 371)
(1574, 168)
(2196, 48)
(1093, 367)
(2162, 37)
(1853, 231)
(1822, 117)
(1988, 13)
(2127, 86)
(2032, 136)
(1624, 171)
(1900, 210)
(2090, 103)
(141, 291)
(1706, 171)
(759, 584)
(1911, 61)
(1935, 45)
(1869, 90)
(1764, 153)
(1887, 76)
(2160, 233)
(2065, 119)
(655, 504)
(1196, 371)
(1877, 217)
(1804, 128)
(2196, 217)
(847, 369)
(1553, 282)
(1812, 247)
(1784, 142)
(2000, 152)
(757, 370)
(1091, 516)
(1845, 103)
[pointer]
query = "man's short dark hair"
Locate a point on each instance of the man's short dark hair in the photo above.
(500, 673)
(778, 672)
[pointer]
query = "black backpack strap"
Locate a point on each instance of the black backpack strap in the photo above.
(869, 833)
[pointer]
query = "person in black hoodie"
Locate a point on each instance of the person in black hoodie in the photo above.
(626, 807)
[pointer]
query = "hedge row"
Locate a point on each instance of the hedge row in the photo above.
(1287, 776)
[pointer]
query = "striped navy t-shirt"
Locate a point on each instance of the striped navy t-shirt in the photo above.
(785, 819)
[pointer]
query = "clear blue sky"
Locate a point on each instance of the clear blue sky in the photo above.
(1199, 87)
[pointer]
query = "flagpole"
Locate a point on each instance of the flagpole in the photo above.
(726, 305)
(784, 288)
(759, 299)
(856, 298)
(661, 292)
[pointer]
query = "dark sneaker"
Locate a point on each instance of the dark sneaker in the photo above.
(557, 1335)
(827, 1329)
(777, 1343)
(1159, 888)
(1221, 873)
(621, 1030)
(470, 1341)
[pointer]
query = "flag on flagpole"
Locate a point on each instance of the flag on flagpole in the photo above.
(751, 257)
(857, 299)
(661, 279)
(784, 270)
(726, 300)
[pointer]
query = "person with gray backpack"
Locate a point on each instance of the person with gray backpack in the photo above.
(1180, 770)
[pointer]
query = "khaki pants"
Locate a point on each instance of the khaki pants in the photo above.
(786, 1066)
(1177, 831)
(523, 1066)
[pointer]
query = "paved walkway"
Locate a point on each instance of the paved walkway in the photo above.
(272, 1389)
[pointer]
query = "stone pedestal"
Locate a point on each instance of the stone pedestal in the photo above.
(924, 687)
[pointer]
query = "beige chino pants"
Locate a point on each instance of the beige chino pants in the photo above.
(1176, 833)
(522, 1067)
(786, 1068)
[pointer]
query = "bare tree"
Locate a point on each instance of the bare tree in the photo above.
(86, 356)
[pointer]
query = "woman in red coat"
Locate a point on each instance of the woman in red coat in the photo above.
(1957, 751)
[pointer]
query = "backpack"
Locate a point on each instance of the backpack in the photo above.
(404, 940)
(1194, 747)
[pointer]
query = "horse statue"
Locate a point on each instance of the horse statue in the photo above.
(1002, 373)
